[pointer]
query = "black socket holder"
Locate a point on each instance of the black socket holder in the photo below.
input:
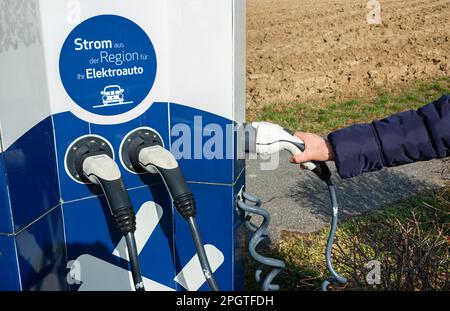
(85, 147)
(134, 143)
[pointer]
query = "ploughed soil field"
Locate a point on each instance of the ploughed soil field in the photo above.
(309, 50)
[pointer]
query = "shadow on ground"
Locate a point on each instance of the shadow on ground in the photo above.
(359, 195)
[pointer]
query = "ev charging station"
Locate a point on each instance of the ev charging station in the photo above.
(79, 73)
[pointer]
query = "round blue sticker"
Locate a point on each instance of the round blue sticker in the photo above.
(108, 65)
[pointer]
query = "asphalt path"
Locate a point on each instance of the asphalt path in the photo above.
(298, 201)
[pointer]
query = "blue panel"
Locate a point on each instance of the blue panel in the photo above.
(5, 209)
(32, 175)
(156, 117)
(214, 218)
(88, 224)
(196, 166)
(67, 129)
(42, 256)
(8, 265)
(90, 230)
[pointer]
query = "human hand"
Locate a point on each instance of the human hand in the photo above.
(316, 149)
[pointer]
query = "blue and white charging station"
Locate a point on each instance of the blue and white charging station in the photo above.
(77, 68)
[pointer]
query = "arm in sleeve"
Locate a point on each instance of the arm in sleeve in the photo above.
(402, 138)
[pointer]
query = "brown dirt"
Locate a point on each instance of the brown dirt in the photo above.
(315, 49)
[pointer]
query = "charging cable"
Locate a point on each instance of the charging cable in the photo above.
(144, 153)
(89, 160)
(156, 158)
(266, 138)
(251, 205)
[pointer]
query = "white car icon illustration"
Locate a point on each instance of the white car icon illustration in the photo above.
(112, 94)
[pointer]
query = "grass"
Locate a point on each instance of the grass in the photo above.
(332, 114)
(304, 253)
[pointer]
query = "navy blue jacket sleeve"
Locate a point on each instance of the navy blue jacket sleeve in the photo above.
(402, 138)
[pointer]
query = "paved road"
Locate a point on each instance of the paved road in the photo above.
(298, 201)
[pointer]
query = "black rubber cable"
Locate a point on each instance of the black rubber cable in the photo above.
(134, 262)
(183, 199)
(204, 262)
(259, 234)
